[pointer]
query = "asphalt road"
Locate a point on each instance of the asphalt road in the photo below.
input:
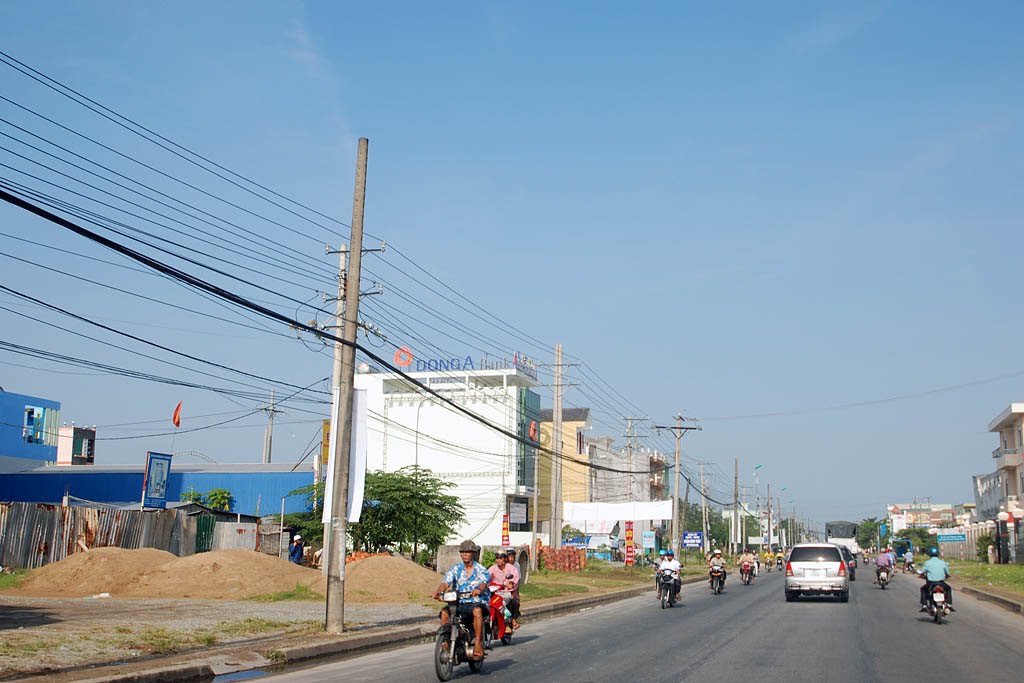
(747, 631)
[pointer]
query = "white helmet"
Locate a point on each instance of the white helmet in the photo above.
(717, 551)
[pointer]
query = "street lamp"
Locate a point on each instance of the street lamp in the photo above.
(1002, 547)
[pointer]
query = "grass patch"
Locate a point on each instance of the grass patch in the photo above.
(10, 580)
(537, 590)
(1008, 577)
(246, 627)
(300, 592)
(27, 646)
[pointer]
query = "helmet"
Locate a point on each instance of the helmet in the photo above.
(933, 551)
(669, 553)
(663, 553)
(717, 551)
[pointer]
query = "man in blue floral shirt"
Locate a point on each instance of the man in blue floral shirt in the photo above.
(469, 578)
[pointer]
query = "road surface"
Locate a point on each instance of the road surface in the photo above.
(747, 633)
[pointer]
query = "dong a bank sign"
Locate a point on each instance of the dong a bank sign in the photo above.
(405, 360)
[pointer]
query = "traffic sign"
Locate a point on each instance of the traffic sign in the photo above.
(693, 539)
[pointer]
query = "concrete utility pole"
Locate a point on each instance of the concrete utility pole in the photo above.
(343, 406)
(768, 540)
(679, 430)
(268, 433)
(704, 509)
(736, 509)
(629, 459)
(556, 461)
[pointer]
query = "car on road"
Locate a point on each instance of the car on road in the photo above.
(851, 562)
(817, 569)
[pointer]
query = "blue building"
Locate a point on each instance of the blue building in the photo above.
(28, 431)
(255, 488)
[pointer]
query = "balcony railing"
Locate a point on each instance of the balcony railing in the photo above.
(1000, 452)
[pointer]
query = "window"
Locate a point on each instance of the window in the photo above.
(815, 554)
(35, 423)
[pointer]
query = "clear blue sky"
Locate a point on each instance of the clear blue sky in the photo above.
(728, 211)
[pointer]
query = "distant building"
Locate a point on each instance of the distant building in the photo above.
(575, 474)
(28, 431)
(76, 446)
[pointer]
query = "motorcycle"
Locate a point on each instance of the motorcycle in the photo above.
(746, 573)
(717, 580)
(666, 588)
(909, 567)
(500, 619)
(937, 605)
(455, 640)
(778, 563)
(883, 577)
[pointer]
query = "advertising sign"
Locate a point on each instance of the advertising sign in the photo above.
(517, 513)
(693, 539)
(648, 539)
(630, 549)
(504, 530)
(154, 481)
(952, 538)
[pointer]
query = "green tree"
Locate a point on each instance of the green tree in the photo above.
(409, 507)
(219, 499)
(192, 496)
(867, 532)
(309, 523)
(982, 544)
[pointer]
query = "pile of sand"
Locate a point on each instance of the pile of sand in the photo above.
(103, 570)
(384, 578)
(221, 575)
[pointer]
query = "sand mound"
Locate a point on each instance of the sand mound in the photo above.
(102, 570)
(223, 574)
(382, 578)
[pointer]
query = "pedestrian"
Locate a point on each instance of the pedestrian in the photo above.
(296, 552)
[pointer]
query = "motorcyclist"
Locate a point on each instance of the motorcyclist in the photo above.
(717, 561)
(468, 576)
(908, 560)
(767, 559)
(935, 571)
(779, 558)
(883, 561)
(657, 565)
(670, 564)
(750, 559)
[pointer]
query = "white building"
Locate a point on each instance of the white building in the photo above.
(492, 472)
(1002, 488)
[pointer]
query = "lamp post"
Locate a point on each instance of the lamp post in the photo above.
(1002, 547)
(416, 469)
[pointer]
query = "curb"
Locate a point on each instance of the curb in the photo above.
(997, 600)
(166, 674)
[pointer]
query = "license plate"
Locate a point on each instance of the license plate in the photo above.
(939, 597)
(814, 573)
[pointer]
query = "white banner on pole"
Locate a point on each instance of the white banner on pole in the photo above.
(357, 460)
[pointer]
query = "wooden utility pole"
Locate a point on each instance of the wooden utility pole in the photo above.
(556, 447)
(343, 406)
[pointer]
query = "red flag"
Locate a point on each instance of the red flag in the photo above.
(176, 419)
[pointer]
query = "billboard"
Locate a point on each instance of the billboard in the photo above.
(154, 481)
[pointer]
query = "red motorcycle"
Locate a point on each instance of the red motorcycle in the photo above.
(500, 622)
(746, 573)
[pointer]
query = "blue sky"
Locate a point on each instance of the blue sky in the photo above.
(728, 211)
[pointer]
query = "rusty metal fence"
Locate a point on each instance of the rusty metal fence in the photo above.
(35, 534)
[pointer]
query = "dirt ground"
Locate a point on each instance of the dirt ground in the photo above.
(111, 604)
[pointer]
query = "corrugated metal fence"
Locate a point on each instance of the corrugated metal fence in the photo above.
(34, 534)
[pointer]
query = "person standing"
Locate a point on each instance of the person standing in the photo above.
(297, 550)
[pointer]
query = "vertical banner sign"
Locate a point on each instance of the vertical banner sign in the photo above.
(630, 550)
(357, 461)
(504, 530)
(154, 481)
(325, 443)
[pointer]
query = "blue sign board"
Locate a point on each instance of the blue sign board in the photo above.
(952, 538)
(693, 539)
(883, 530)
(648, 539)
(577, 542)
(154, 484)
